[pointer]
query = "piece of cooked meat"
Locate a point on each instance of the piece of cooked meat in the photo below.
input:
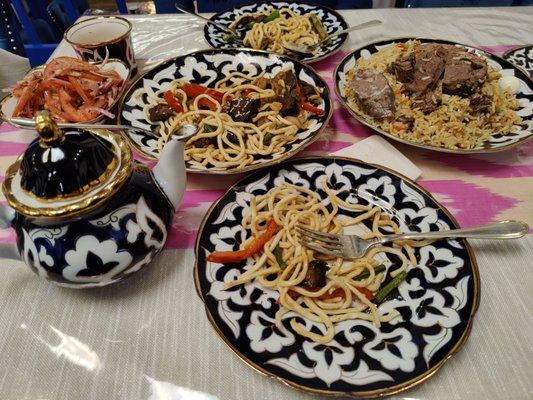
(464, 73)
(307, 89)
(160, 112)
(289, 105)
(408, 121)
(373, 92)
(404, 68)
(480, 103)
(243, 109)
(316, 274)
(428, 103)
(289, 78)
(429, 61)
(204, 142)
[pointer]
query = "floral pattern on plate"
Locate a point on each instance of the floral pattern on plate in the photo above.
(436, 302)
(332, 21)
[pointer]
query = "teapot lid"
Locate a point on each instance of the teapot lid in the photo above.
(63, 174)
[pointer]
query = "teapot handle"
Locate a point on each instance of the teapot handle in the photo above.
(7, 216)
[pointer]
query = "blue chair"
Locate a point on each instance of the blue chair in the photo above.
(63, 13)
(167, 6)
(222, 5)
(462, 3)
(9, 37)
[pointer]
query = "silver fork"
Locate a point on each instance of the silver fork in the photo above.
(352, 246)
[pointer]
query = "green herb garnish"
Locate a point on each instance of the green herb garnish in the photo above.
(385, 290)
(278, 253)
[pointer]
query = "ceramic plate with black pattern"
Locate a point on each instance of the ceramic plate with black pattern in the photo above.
(436, 302)
(207, 67)
(521, 56)
(330, 19)
(497, 142)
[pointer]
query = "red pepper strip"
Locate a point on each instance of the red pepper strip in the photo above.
(194, 90)
(227, 257)
(172, 102)
(312, 109)
(77, 87)
(205, 102)
(367, 293)
(247, 92)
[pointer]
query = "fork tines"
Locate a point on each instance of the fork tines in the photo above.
(322, 242)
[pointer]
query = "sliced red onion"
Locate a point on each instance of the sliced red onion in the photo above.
(101, 111)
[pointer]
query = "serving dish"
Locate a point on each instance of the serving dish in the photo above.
(8, 104)
(207, 67)
(497, 142)
(437, 302)
(330, 19)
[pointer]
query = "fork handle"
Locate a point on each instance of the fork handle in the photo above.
(364, 25)
(499, 230)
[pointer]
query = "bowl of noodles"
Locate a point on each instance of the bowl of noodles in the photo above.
(437, 95)
(252, 108)
(364, 328)
(263, 26)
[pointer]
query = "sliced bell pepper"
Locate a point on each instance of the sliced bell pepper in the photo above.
(385, 290)
(312, 109)
(194, 90)
(272, 16)
(227, 257)
(172, 102)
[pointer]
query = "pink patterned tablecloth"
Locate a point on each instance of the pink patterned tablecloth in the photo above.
(477, 188)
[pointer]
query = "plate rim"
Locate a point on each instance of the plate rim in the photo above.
(304, 60)
(362, 394)
(285, 155)
(512, 50)
(421, 145)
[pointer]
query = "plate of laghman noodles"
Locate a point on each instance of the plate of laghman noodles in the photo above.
(252, 108)
(437, 95)
(264, 26)
(367, 327)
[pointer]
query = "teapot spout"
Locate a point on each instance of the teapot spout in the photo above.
(7, 216)
(170, 171)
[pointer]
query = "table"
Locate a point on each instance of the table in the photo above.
(149, 338)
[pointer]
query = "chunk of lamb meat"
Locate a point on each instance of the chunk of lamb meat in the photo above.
(428, 68)
(160, 112)
(289, 78)
(307, 89)
(374, 94)
(428, 103)
(464, 73)
(404, 68)
(480, 103)
(243, 109)
(289, 105)
(408, 121)
(316, 275)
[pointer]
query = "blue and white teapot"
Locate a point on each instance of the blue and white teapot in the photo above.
(85, 213)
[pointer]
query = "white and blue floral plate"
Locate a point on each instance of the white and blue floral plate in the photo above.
(437, 302)
(207, 67)
(498, 142)
(522, 57)
(332, 21)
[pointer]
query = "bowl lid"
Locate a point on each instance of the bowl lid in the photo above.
(62, 174)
